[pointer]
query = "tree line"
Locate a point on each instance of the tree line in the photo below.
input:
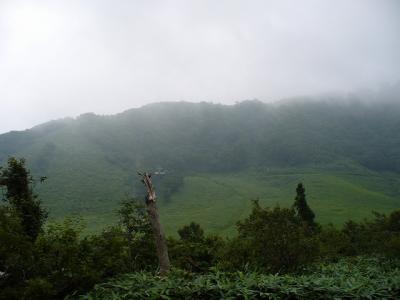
(47, 260)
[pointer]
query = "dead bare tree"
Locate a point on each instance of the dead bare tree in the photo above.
(159, 236)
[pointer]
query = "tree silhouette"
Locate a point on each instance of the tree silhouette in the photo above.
(301, 207)
(17, 179)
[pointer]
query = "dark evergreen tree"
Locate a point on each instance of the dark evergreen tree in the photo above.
(17, 179)
(303, 211)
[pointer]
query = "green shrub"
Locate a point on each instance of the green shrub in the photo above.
(277, 239)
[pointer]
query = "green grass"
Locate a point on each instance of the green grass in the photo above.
(217, 202)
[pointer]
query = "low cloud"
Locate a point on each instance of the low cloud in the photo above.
(64, 58)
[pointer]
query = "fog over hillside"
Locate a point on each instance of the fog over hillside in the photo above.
(229, 100)
(346, 143)
(175, 149)
(66, 58)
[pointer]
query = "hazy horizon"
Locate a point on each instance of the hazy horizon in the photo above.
(65, 58)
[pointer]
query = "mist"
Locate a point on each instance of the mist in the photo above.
(65, 58)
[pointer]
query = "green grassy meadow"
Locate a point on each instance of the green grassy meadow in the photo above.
(218, 201)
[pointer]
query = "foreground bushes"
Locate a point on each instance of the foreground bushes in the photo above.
(52, 261)
(270, 241)
(273, 240)
(359, 278)
(62, 261)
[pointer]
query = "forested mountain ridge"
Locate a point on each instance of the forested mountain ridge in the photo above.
(91, 161)
(213, 137)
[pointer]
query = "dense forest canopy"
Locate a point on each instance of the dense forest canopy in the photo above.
(185, 136)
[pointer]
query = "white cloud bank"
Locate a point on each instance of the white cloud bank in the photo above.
(64, 58)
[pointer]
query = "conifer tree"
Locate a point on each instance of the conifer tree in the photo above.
(301, 207)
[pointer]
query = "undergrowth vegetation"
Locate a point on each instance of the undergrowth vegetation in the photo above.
(277, 253)
(357, 278)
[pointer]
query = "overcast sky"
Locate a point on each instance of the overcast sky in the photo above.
(65, 58)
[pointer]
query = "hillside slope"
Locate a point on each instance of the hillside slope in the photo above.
(219, 156)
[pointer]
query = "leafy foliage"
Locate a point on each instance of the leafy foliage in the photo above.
(62, 261)
(138, 233)
(276, 239)
(20, 196)
(378, 235)
(58, 260)
(194, 251)
(15, 253)
(191, 232)
(360, 278)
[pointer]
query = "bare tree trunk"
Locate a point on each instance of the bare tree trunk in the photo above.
(159, 237)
